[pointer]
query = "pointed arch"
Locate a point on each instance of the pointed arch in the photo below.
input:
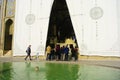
(60, 26)
(8, 35)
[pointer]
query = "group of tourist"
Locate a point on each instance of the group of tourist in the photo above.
(64, 53)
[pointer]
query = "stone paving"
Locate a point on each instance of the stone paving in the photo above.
(114, 63)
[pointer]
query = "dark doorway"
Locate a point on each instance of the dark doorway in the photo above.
(60, 25)
(8, 36)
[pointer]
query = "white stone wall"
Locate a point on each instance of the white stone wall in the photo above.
(96, 35)
(32, 29)
(96, 24)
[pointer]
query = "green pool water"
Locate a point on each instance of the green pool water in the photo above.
(55, 71)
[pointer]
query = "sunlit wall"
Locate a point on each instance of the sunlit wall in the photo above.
(31, 24)
(96, 24)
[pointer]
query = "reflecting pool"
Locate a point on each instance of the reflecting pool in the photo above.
(55, 71)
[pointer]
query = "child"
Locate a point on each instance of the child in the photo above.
(37, 55)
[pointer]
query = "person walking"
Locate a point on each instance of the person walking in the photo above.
(28, 51)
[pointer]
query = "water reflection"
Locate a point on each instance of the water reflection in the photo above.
(34, 71)
(28, 70)
(89, 72)
(57, 71)
(6, 71)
